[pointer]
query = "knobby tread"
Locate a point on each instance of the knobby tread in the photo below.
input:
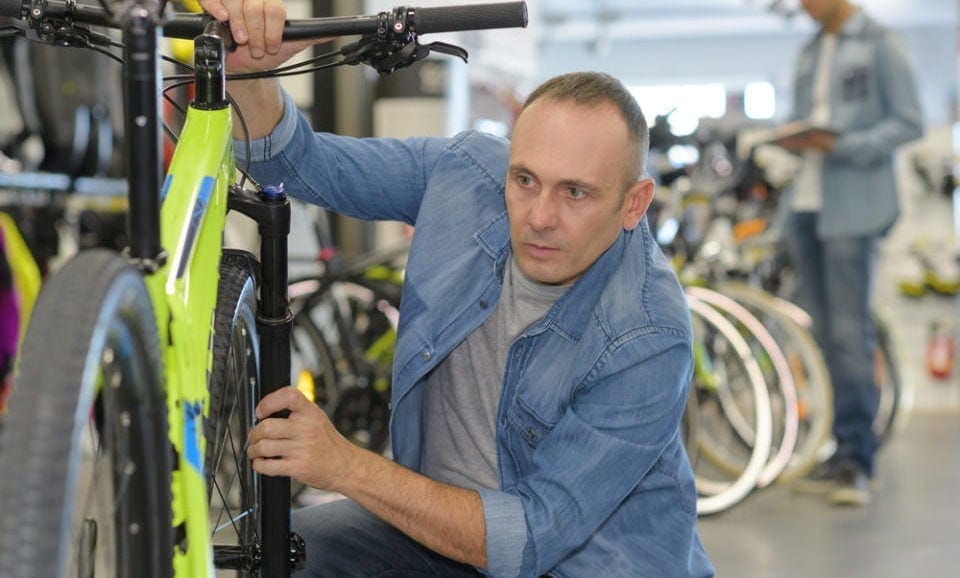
(235, 270)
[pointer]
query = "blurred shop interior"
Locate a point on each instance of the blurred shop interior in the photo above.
(713, 77)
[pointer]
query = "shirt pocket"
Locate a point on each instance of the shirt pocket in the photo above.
(855, 83)
(528, 423)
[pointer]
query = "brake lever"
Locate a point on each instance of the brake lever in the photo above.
(445, 48)
(73, 35)
(370, 51)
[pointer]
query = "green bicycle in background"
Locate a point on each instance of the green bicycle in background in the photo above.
(123, 453)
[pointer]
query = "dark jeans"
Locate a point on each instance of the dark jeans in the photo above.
(345, 541)
(834, 281)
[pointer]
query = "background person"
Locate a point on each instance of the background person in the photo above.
(853, 79)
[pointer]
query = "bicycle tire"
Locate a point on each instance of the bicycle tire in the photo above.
(790, 325)
(777, 376)
(232, 485)
(88, 386)
(718, 495)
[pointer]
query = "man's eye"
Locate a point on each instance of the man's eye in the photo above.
(524, 180)
(577, 193)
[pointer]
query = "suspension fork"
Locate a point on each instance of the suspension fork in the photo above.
(279, 550)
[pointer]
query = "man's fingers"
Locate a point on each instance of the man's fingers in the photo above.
(254, 23)
(272, 428)
(274, 16)
(270, 467)
(235, 14)
(267, 448)
(216, 9)
(288, 398)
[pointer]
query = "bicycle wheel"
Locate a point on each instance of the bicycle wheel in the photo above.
(777, 377)
(896, 395)
(311, 361)
(790, 327)
(232, 485)
(85, 489)
(727, 376)
(356, 320)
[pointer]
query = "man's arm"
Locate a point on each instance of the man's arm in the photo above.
(444, 518)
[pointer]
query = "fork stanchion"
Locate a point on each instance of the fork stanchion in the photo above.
(271, 210)
(274, 321)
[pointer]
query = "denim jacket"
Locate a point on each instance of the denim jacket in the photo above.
(874, 108)
(594, 480)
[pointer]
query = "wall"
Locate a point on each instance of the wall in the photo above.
(735, 59)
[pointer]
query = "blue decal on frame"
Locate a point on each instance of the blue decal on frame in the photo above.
(166, 188)
(192, 422)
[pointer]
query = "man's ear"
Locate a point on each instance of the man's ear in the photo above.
(637, 201)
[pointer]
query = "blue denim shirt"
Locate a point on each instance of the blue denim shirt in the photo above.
(594, 480)
(874, 108)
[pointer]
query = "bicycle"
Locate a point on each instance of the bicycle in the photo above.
(344, 331)
(716, 226)
(111, 394)
(343, 334)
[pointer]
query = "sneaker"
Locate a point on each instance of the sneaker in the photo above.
(852, 487)
(822, 479)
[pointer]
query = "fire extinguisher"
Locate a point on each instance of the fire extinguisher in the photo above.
(941, 346)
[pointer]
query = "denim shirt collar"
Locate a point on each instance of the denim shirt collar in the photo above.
(570, 314)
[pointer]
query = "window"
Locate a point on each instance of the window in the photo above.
(688, 103)
(759, 100)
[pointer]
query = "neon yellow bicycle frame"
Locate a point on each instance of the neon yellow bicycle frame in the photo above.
(184, 294)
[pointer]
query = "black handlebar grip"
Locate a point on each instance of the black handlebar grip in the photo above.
(10, 8)
(470, 17)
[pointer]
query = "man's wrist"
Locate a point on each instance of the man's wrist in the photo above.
(260, 102)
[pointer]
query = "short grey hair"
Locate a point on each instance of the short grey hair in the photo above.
(594, 87)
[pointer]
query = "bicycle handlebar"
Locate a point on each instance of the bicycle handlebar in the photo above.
(424, 20)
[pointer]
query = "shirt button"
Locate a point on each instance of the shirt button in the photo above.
(483, 304)
(426, 355)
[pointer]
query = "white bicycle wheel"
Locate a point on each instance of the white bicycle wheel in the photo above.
(790, 325)
(726, 372)
(777, 376)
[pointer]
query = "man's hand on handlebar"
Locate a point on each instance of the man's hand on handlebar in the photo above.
(256, 24)
(257, 28)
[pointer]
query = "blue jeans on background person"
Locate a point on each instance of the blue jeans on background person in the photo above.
(346, 541)
(834, 285)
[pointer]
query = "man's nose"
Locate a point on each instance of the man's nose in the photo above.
(543, 212)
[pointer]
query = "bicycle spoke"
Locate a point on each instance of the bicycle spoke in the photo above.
(226, 419)
(233, 422)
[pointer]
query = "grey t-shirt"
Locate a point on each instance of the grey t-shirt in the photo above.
(462, 394)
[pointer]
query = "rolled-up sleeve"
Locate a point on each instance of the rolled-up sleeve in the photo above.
(264, 149)
(506, 532)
